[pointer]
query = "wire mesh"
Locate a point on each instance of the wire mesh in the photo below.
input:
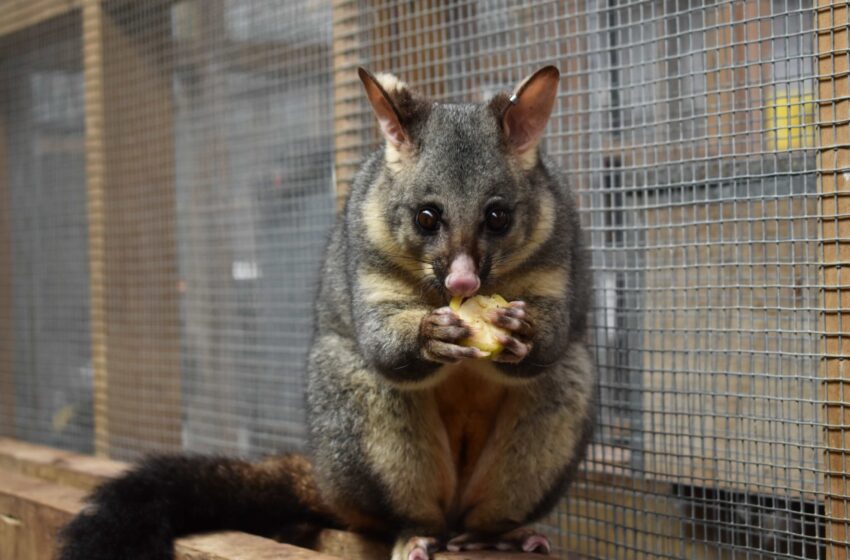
(689, 129)
(255, 197)
(49, 373)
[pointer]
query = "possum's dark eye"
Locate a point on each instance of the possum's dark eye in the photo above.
(428, 219)
(497, 219)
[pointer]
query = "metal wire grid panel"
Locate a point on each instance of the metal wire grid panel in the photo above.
(688, 128)
(46, 272)
(206, 221)
(254, 141)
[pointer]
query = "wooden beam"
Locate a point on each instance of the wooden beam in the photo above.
(834, 187)
(132, 222)
(18, 15)
(32, 511)
(54, 465)
(348, 108)
(95, 113)
(65, 477)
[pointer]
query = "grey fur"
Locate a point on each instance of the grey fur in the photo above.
(458, 161)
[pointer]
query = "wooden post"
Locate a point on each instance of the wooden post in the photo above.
(834, 187)
(347, 94)
(95, 178)
(132, 222)
(406, 39)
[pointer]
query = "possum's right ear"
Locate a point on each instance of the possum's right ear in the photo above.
(382, 104)
(524, 114)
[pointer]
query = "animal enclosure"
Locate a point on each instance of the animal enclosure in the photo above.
(169, 171)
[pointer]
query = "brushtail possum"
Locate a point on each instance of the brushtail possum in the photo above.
(413, 436)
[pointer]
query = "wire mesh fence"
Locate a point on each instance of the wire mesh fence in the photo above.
(169, 170)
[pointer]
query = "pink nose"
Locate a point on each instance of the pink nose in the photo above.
(463, 279)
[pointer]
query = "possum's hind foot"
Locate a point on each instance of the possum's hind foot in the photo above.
(524, 539)
(414, 548)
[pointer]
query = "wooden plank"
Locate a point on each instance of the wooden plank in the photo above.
(18, 15)
(238, 546)
(350, 545)
(132, 221)
(95, 189)
(65, 477)
(834, 187)
(32, 511)
(7, 333)
(348, 109)
(55, 465)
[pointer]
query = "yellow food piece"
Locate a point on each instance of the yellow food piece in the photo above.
(484, 333)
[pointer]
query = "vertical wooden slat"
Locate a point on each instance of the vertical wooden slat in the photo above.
(407, 39)
(95, 180)
(7, 373)
(834, 187)
(346, 58)
(132, 221)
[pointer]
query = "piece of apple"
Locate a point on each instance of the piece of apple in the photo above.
(484, 333)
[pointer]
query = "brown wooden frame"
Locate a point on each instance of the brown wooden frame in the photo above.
(833, 18)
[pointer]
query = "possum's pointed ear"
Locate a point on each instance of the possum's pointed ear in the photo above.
(528, 110)
(383, 106)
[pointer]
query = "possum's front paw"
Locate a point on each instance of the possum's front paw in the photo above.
(440, 333)
(517, 342)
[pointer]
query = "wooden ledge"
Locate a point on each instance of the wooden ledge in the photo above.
(33, 510)
(63, 467)
(42, 488)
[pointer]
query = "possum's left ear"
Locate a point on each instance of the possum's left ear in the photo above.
(382, 105)
(388, 97)
(401, 111)
(528, 109)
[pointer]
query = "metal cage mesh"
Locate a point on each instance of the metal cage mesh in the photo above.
(170, 175)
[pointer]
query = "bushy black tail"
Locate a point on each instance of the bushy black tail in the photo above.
(138, 515)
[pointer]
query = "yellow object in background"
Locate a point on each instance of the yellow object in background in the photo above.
(790, 122)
